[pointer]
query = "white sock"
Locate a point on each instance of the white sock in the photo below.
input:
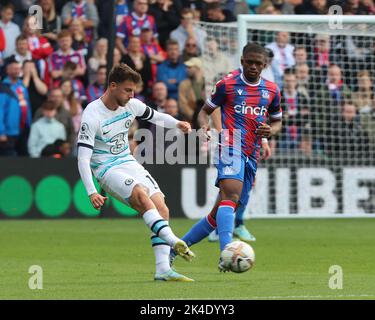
(162, 258)
(159, 226)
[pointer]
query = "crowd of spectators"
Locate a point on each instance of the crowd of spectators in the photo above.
(49, 75)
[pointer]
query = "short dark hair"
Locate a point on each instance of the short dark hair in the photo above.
(102, 66)
(171, 42)
(64, 33)
(48, 105)
(21, 37)
(8, 6)
(254, 47)
(289, 71)
(123, 72)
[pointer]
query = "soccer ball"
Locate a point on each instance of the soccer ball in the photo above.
(238, 256)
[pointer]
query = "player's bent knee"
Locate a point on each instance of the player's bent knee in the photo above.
(140, 200)
(164, 212)
(232, 196)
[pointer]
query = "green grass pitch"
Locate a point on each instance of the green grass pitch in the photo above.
(113, 259)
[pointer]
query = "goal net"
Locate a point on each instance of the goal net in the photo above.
(322, 163)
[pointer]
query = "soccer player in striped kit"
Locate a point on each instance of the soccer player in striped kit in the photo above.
(246, 102)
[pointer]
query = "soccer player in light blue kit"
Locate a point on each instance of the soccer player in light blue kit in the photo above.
(246, 102)
(103, 148)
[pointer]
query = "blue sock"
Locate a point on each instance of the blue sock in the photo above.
(239, 215)
(200, 230)
(225, 222)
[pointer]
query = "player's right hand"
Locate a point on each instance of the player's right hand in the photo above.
(97, 200)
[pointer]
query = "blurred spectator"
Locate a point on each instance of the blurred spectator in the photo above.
(159, 96)
(192, 89)
(56, 97)
(59, 149)
(171, 108)
(10, 29)
(215, 64)
(283, 55)
(312, 7)
(99, 58)
(300, 56)
(86, 12)
(65, 53)
(285, 7)
(117, 57)
(295, 115)
(327, 103)
(216, 14)
(37, 89)
(304, 80)
(267, 72)
(172, 71)
(80, 41)
(187, 29)
(13, 71)
(122, 10)
(369, 6)
(322, 51)
(39, 46)
(192, 4)
(240, 7)
(368, 124)
(191, 49)
(167, 18)
(22, 52)
(137, 60)
(349, 145)
(152, 49)
(355, 7)
(96, 90)
(51, 21)
(10, 118)
(45, 130)
(2, 44)
(68, 73)
(133, 23)
(267, 7)
(71, 104)
(363, 97)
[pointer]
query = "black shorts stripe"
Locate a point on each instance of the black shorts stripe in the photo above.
(80, 144)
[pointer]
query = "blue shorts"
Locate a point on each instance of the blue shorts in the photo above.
(241, 168)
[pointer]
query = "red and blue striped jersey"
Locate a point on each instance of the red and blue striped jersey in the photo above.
(132, 25)
(244, 106)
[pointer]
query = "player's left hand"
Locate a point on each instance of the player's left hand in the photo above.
(267, 152)
(184, 126)
(264, 130)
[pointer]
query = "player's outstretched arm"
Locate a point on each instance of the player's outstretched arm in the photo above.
(165, 120)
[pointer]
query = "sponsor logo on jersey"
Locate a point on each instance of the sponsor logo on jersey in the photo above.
(252, 110)
(240, 91)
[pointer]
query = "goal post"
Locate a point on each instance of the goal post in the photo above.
(323, 162)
